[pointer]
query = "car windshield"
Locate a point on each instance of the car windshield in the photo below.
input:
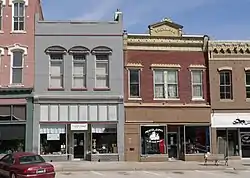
(31, 159)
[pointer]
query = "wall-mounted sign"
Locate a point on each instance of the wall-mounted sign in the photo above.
(153, 135)
(53, 136)
(245, 138)
(241, 122)
(79, 126)
(164, 29)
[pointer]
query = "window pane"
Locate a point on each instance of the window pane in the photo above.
(102, 82)
(230, 148)
(21, 9)
(134, 76)
(56, 82)
(248, 92)
(247, 78)
(172, 91)
(159, 91)
(134, 90)
(153, 140)
(56, 56)
(17, 59)
(101, 68)
(17, 75)
(15, 25)
(78, 82)
(15, 9)
(197, 91)
(55, 68)
(101, 57)
(197, 139)
(158, 77)
(171, 77)
(49, 147)
(79, 68)
(197, 77)
(21, 26)
(19, 112)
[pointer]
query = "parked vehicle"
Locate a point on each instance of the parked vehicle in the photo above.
(25, 164)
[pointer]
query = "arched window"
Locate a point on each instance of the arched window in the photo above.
(102, 54)
(79, 54)
(18, 12)
(226, 88)
(56, 66)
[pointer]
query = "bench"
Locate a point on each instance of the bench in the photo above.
(215, 158)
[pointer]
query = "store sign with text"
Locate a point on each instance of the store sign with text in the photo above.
(79, 126)
(153, 135)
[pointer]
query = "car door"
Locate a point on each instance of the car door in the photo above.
(8, 163)
(3, 164)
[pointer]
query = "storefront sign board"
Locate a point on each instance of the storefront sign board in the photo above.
(79, 126)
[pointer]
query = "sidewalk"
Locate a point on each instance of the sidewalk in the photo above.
(137, 166)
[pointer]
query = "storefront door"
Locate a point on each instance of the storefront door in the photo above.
(173, 145)
(78, 143)
(245, 144)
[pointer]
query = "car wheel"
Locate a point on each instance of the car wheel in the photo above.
(12, 175)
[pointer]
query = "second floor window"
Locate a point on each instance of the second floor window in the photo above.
(18, 15)
(102, 71)
(1, 15)
(196, 80)
(166, 84)
(79, 71)
(56, 70)
(247, 84)
(134, 83)
(17, 67)
(226, 85)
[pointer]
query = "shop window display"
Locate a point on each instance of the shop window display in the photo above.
(104, 140)
(197, 139)
(228, 142)
(52, 145)
(153, 139)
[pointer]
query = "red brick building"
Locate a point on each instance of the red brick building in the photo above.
(17, 26)
(167, 111)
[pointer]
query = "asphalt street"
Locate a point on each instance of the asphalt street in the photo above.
(156, 174)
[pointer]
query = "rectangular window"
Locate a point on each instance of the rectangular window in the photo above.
(56, 70)
(197, 88)
(17, 67)
(247, 84)
(226, 85)
(18, 16)
(134, 83)
(1, 15)
(79, 71)
(102, 71)
(166, 84)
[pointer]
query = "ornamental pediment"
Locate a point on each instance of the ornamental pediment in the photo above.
(165, 28)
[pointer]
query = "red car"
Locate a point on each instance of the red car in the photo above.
(24, 164)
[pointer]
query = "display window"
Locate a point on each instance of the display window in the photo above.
(153, 140)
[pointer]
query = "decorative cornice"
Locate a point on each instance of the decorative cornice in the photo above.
(229, 47)
(247, 68)
(225, 68)
(165, 66)
(133, 65)
(197, 67)
(146, 42)
(164, 104)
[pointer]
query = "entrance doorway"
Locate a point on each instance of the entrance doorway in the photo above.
(175, 145)
(245, 144)
(78, 146)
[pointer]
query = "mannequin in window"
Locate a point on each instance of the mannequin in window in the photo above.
(162, 146)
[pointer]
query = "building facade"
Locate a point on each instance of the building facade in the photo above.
(229, 64)
(16, 73)
(78, 92)
(167, 111)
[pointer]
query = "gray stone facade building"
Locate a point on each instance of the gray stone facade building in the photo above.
(78, 90)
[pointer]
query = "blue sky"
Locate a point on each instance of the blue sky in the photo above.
(220, 19)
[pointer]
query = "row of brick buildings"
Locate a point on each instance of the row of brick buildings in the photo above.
(80, 90)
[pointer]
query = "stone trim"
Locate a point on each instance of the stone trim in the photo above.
(17, 47)
(3, 2)
(225, 68)
(162, 66)
(229, 47)
(134, 65)
(247, 68)
(164, 104)
(196, 67)
(25, 1)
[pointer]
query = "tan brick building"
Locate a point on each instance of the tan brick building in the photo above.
(167, 111)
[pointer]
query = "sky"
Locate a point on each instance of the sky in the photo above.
(220, 19)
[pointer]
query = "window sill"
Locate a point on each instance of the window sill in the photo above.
(18, 32)
(135, 99)
(1, 32)
(79, 89)
(166, 99)
(198, 99)
(101, 89)
(56, 89)
(247, 99)
(226, 100)
(15, 85)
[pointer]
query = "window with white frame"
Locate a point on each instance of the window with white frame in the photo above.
(102, 71)
(247, 84)
(56, 70)
(18, 15)
(17, 67)
(196, 79)
(134, 83)
(226, 91)
(1, 15)
(166, 84)
(79, 71)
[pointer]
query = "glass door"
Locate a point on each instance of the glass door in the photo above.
(245, 144)
(78, 143)
(172, 145)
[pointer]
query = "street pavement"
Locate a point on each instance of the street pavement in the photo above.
(156, 174)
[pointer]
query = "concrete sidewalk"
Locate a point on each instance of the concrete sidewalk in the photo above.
(139, 166)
